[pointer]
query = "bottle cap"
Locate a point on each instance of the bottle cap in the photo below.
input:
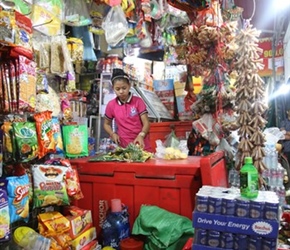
(20, 235)
(116, 205)
(248, 160)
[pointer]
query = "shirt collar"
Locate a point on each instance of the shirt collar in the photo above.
(128, 100)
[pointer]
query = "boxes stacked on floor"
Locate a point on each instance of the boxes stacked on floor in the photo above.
(224, 220)
(82, 231)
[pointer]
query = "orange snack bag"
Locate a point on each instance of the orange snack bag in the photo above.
(46, 141)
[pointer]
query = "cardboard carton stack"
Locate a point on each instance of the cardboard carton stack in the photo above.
(224, 220)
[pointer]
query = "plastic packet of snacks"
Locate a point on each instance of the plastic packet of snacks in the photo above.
(49, 185)
(26, 141)
(75, 139)
(18, 197)
(52, 223)
(46, 142)
(5, 233)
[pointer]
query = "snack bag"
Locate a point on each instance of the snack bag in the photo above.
(56, 130)
(18, 197)
(25, 140)
(52, 224)
(73, 185)
(5, 233)
(49, 185)
(46, 142)
(75, 138)
(7, 143)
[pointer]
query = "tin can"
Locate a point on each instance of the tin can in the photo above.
(227, 240)
(255, 243)
(214, 238)
(200, 237)
(269, 244)
(271, 210)
(242, 208)
(228, 205)
(257, 209)
(215, 204)
(241, 242)
(201, 203)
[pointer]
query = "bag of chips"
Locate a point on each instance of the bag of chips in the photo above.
(26, 141)
(18, 197)
(46, 142)
(75, 139)
(5, 233)
(49, 185)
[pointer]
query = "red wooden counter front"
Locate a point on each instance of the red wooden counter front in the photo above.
(169, 184)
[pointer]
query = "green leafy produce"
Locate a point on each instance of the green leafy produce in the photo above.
(132, 153)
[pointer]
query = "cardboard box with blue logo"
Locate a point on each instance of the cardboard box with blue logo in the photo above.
(243, 227)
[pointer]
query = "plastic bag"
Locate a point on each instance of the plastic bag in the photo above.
(164, 230)
(171, 140)
(76, 13)
(115, 25)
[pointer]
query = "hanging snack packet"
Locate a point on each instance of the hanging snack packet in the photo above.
(73, 185)
(56, 130)
(5, 233)
(7, 143)
(75, 138)
(18, 197)
(46, 142)
(25, 140)
(49, 185)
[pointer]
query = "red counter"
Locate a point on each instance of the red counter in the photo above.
(169, 184)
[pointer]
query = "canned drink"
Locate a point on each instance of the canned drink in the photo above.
(201, 203)
(227, 240)
(242, 208)
(255, 243)
(271, 210)
(200, 237)
(228, 205)
(241, 242)
(257, 209)
(269, 244)
(214, 238)
(215, 204)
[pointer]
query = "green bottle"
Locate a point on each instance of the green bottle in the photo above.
(249, 179)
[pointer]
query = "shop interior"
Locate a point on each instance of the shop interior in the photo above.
(207, 85)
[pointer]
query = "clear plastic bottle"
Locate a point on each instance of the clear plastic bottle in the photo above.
(249, 179)
(28, 239)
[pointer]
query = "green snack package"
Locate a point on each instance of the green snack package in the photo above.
(25, 137)
(75, 139)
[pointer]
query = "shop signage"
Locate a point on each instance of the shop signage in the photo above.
(267, 55)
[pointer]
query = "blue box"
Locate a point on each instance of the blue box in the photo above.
(236, 225)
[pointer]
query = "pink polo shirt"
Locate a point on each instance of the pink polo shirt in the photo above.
(128, 119)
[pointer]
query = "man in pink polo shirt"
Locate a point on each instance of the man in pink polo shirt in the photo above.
(129, 112)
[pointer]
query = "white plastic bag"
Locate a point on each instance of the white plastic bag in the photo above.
(115, 25)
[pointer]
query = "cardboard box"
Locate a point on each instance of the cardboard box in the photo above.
(91, 246)
(79, 223)
(236, 225)
(83, 239)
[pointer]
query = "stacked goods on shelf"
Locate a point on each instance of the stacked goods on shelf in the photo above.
(224, 220)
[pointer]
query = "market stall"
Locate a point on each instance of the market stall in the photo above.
(193, 73)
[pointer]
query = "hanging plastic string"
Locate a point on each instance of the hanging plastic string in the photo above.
(246, 22)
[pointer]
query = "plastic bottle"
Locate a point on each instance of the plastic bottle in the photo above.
(116, 225)
(249, 179)
(26, 238)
